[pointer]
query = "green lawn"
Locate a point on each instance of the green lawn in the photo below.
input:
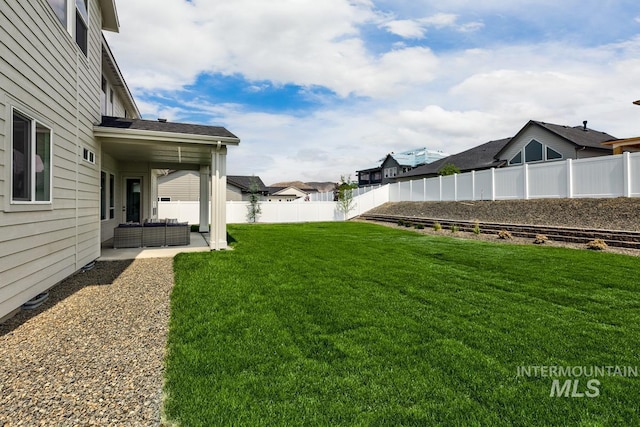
(356, 324)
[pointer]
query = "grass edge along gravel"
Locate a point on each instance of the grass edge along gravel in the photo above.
(358, 324)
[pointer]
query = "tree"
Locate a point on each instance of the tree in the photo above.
(448, 169)
(254, 209)
(345, 195)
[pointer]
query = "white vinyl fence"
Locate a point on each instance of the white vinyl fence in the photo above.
(598, 177)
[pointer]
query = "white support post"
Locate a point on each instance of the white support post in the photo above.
(569, 179)
(626, 168)
(204, 199)
(440, 183)
(218, 235)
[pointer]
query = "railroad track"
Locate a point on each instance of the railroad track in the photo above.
(618, 238)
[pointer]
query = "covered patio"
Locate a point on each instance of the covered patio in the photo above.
(135, 150)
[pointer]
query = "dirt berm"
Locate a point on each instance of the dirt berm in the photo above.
(608, 214)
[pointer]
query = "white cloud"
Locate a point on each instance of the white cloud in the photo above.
(417, 28)
(414, 96)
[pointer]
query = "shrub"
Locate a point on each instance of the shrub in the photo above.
(476, 228)
(540, 239)
(400, 222)
(437, 226)
(419, 226)
(597, 245)
(504, 234)
(408, 223)
(454, 228)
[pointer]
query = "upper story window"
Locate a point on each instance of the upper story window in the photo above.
(60, 8)
(75, 18)
(390, 172)
(82, 25)
(533, 152)
(31, 160)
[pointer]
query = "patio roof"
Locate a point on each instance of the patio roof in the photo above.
(160, 143)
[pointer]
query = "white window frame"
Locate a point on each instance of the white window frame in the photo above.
(34, 123)
(523, 156)
(70, 26)
(108, 198)
(88, 156)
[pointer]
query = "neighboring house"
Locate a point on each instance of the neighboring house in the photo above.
(183, 186)
(287, 194)
(180, 186)
(395, 164)
(239, 188)
(536, 142)
(69, 170)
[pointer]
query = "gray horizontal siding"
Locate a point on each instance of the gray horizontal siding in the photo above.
(42, 69)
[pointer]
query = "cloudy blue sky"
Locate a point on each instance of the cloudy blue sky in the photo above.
(316, 89)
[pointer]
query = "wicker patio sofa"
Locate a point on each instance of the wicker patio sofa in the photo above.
(153, 233)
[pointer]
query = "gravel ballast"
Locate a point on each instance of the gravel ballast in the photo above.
(93, 353)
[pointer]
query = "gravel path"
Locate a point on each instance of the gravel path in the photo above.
(93, 353)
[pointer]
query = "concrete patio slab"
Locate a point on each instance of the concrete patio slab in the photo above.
(199, 243)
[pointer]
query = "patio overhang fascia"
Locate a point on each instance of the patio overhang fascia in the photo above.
(161, 149)
(149, 135)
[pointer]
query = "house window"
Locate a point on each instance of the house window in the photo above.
(89, 156)
(82, 25)
(78, 27)
(31, 164)
(60, 9)
(390, 172)
(533, 152)
(517, 159)
(112, 196)
(553, 154)
(103, 195)
(107, 196)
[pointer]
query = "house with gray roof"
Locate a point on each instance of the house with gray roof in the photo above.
(184, 186)
(394, 164)
(536, 142)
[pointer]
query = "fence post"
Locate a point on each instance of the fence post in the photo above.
(440, 182)
(455, 187)
(626, 169)
(526, 181)
(411, 190)
(493, 184)
(424, 189)
(473, 185)
(569, 179)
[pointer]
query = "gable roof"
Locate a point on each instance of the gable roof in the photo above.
(283, 191)
(481, 157)
(580, 136)
(414, 157)
(244, 183)
(164, 126)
